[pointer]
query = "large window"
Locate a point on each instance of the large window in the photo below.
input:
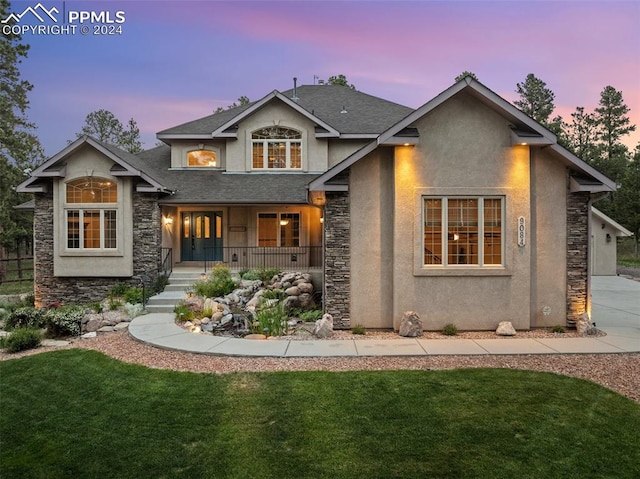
(91, 214)
(276, 147)
(202, 159)
(463, 231)
(279, 229)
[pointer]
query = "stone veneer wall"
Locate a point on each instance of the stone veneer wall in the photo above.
(337, 253)
(577, 255)
(147, 235)
(49, 289)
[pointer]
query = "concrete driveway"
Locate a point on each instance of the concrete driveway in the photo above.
(616, 309)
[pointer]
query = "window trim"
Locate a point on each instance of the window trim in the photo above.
(83, 207)
(276, 140)
(421, 269)
(209, 149)
(279, 226)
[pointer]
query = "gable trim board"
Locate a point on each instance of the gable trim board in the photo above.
(370, 166)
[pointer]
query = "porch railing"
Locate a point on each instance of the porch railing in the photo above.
(167, 261)
(249, 257)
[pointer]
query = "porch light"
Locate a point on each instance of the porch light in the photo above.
(234, 258)
(168, 220)
(284, 222)
(322, 219)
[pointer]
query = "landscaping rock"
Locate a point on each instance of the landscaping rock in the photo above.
(55, 343)
(292, 291)
(92, 325)
(585, 326)
(106, 329)
(121, 326)
(324, 326)
(410, 325)
(90, 335)
(505, 328)
(255, 336)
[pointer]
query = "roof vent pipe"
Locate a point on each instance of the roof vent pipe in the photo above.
(295, 89)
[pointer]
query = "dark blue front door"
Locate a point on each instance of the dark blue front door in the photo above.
(201, 236)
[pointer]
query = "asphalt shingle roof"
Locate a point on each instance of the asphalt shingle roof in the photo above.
(364, 113)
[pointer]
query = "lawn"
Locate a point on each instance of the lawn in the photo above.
(79, 414)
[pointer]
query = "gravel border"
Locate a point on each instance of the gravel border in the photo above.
(618, 372)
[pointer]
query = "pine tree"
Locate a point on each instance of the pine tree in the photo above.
(536, 100)
(104, 126)
(582, 135)
(20, 150)
(613, 124)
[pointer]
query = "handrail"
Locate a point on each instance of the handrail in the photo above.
(167, 261)
(281, 257)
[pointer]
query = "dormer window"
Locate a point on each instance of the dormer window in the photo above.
(277, 147)
(202, 159)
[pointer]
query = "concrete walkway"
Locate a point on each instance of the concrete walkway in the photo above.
(616, 310)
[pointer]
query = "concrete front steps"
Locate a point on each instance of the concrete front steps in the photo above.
(180, 281)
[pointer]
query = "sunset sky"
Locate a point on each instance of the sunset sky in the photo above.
(178, 61)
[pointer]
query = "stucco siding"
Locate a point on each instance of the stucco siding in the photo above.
(548, 241)
(314, 151)
(603, 251)
(371, 190)
(464, 150)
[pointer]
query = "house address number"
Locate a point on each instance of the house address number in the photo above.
(522, 231)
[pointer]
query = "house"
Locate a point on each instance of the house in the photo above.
(464, 210)
(604, 244)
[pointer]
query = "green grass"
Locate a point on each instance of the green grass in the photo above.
(80, 414)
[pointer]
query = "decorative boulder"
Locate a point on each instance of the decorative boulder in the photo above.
(92, 325)
(324, 326)
(585, 326)
(410, 325)
(505, 328)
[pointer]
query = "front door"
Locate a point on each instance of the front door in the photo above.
(201, 236)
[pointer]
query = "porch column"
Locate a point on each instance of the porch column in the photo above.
(337, 254)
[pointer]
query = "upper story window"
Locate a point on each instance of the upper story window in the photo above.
(202, 159)
(463, 231)
(276, 147)
(91, 214)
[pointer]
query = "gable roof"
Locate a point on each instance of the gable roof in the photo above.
(338, 111)
(124, 165)
(621, 230)
(525, 130)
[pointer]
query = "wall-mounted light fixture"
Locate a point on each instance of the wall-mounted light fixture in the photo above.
(284, 222)
(603, 225)
(168, 220)
(608, 238)
(322, 219)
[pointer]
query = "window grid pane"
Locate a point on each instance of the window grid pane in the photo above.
(289, 229)
(73, 229)
(296, 155)
(267, 229)
(91, 229)
(433, 231)
(258, 155)
(462, 234)
(110, 229)
(492, 231)
(92, 190)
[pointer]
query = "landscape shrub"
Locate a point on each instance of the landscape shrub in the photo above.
(274, 294)
(160, 283)
(450, 330)
(359, 329)
(134, 295)
(22, 339)
(251, 275)
(272, 320)
(558, 329)
(64, 321)
(218, 283)
(310, 316)
(25, 317)
(133, 310)
(267, 274)
(183, 312)
(118, 289)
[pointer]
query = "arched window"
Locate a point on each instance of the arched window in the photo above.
(202, 158)
(276, 147)
(91, 223)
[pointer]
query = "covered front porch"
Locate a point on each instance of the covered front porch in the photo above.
(284, 237)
